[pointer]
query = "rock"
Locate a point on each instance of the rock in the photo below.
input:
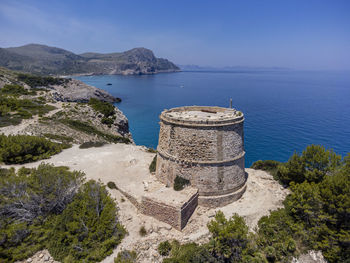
(145, 186)
(133, 161)
(77, 91)
(41, 255)
(46, 258)
(29, 260)
(211, 214)
(310, 257)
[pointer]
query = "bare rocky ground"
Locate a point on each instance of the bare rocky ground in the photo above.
(42, 256)
(263, 194)
(311, 256)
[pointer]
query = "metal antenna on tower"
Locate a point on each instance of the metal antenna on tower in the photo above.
(230, 103)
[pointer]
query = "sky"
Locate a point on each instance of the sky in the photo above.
(297, 34)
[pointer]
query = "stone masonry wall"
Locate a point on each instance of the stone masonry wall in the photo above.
(210, 155)
(176, 216)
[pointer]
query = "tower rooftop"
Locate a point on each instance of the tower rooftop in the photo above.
(201, 115)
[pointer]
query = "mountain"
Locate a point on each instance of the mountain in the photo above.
(41, 59)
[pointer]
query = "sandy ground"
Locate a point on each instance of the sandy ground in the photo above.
(121, 160)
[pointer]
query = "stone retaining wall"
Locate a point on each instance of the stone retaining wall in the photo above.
(176, 216)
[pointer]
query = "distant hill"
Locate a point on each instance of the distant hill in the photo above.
(41, 59)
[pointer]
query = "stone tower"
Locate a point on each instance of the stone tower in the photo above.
(204, 145)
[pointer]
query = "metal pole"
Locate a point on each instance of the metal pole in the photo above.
(230, 103)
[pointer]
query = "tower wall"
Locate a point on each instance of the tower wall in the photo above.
(209, 152)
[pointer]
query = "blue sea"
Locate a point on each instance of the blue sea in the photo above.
(284, 110)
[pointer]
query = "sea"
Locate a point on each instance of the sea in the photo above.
(285, 110)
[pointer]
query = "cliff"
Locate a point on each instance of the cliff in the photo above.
(45, 60)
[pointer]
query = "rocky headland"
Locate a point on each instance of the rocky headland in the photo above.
(69, 117)
(45, 60)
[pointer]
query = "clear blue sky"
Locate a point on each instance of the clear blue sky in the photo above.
(300, 34)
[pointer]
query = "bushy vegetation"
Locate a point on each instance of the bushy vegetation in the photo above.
(24, 148)
(13, 110)
(190, 252)
(270, 166)
(86, 145)
(312, 165)
(50, 207)
(142, 231)
(315, 216)
(180, 183)
(88, 229)
(126, 256)
(111, 185)
(153, 165)
(16, 90)
(40, 81)
(164, 248)
(29, 200)
(87, 128)
(106, 108)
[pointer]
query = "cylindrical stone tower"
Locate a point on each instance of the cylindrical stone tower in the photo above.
(206, 146)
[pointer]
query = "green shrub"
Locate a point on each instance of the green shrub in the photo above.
(111, 185)
(153, 165)
(142, 231)
(126, 256)
(229, 237)
(29, 203)
(24, 148)
(312, 165)
(16, 90)
(48, 207)
(107, 121)
(13, 110)
(164, 248)
(40, 81)
(266, 165)
(151, 150)
(180, 183)
(7, 172)
(106, 108)
(88, 229)
(190, 252)
(91, 144)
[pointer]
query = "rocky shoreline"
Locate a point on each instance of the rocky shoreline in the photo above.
(78, 91)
